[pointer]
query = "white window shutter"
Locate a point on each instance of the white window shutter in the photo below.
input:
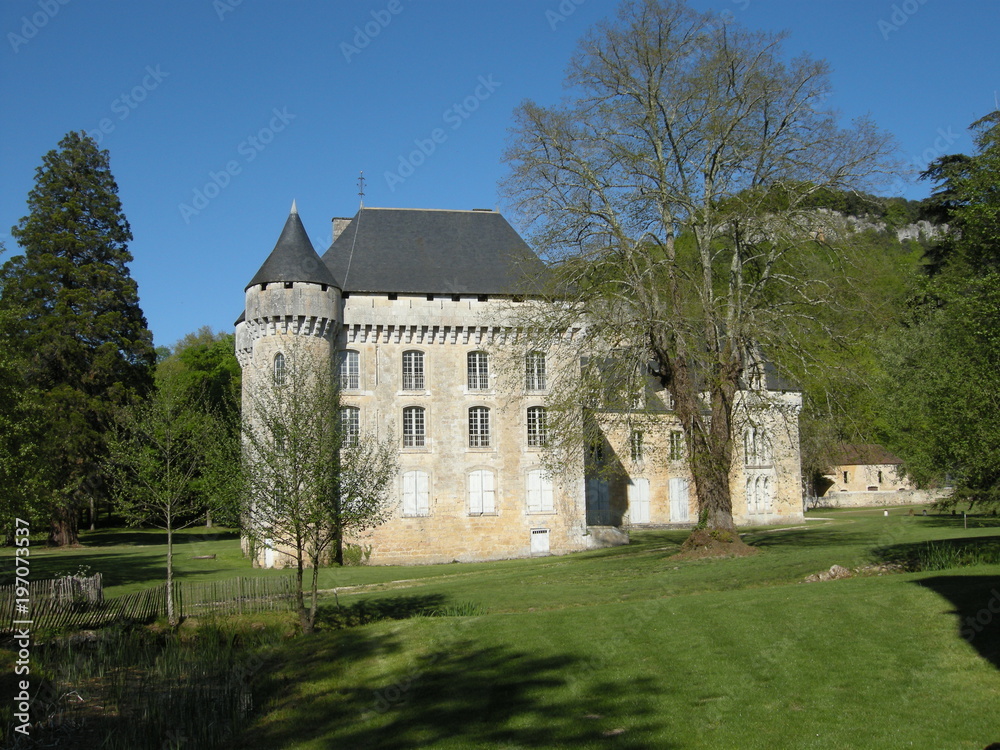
(409, 493)
(475, 492)
(534, 491)
(422, 493)
(546, 491)
(489, 493)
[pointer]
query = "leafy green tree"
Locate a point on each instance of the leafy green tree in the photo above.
(161, 447)
(205, 362)
(306, 483)
(653, 187)
(24, 476)
(943, 369)
(88, 347)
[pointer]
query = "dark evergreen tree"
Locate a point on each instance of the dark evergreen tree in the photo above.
(942, 383)
(88, 350)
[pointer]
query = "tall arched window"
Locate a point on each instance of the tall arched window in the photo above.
(534, 371)
(416, 495)
(350, 370)
(479, 371)
(279, 369)
(540, 498)
(413, 371)
(537, 434)
(350, 424)
(479, 427)
(413, 427)
(482, 493)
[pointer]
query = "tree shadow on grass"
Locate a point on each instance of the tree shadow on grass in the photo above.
(459, 694)
(976, 602)
(948, 521)
(939, 554)
(806, 538)
(372, 610)
(144, 538)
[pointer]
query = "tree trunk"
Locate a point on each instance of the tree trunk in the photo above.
(93, 514)
(314, 604)
(709, 445)
(208, 519)
(171, 615)
(299, 598)
(64, 527)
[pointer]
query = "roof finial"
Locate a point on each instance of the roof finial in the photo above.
(294, 209)
(361, 187)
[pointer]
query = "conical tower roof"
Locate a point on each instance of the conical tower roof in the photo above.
(293, 258)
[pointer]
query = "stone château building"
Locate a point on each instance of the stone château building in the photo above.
(406, 303)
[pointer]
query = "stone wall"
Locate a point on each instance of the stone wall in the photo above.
(875, 499)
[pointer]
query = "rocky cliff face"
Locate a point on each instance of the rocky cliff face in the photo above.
(835, 224)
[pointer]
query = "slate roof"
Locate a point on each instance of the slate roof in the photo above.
(427, 251)
(863, 455)
(293, 258)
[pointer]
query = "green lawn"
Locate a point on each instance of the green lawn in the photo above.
(629, 648)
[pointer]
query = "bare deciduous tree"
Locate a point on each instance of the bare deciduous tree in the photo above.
(670, 191)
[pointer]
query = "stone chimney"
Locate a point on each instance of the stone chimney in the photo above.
(339, 225)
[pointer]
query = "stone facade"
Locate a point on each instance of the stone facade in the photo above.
(422, 361)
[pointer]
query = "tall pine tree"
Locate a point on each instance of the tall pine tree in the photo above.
(87, 347)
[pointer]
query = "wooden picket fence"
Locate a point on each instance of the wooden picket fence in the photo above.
(53, 605)
(235, 596)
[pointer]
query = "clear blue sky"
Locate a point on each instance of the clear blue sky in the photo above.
(183, 89)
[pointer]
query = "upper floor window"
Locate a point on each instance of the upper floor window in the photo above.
(635, 445)
(479, 371)
(676, 445)
(534, 371)
(413, 371)
(755, 447)
(413, 427)
(536, 426)
(279, 369)
(350, 370)
(350, 424)
(479, 427)
(416, 495)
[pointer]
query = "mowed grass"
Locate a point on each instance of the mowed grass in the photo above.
(629, 648)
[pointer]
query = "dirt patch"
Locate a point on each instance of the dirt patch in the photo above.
(708, 543)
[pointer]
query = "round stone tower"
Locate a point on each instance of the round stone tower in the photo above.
(293, 294)
(288, 328)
